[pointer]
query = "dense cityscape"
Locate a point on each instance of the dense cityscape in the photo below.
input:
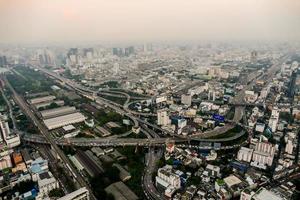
(181, 120)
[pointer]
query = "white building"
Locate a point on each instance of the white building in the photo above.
(289, 147)
(246, 194)
(64, 120)
(273, 121)
(163, 118)
(264, 194)
(181, 123)
(263, 155)
(5, 162)
(250, 96)
(41, 99)
(260, 127)
(213, 170)
(46, 114)
(80, 194)
(166, 177)
(186, 99)
(245, 154)
(11, 139)
(46, 183)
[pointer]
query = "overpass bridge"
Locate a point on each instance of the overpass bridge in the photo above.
(204, 143)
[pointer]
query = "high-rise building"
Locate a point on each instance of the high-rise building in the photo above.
(147, 47)
(163, 118)
(119, 51)
(115, 51)
(46, 183)
(263, 155)
(166, 177)
(273, 121)
(129, 51)
(3, 61)
(245, 154)
(72, 55)
(11, 138)
(289, 147)
(88, 53)
(253, 56)
(186, 99)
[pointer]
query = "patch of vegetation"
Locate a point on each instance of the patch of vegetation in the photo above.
(286, 116)
(51, 106)
(103, 117)
(135, 163)
(230, 133)
(23, 123)
(100, 182)
(58, 192)
(24, 186)
(69, 183)
(120, 130)
(110, 84)
(117, 100)
(31, 81)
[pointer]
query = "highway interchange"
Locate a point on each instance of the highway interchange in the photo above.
(153, 139)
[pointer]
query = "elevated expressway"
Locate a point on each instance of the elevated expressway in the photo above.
(149, 142)
(147, 183)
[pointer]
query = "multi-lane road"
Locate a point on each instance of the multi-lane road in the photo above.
(43, 130)
(151, 157)
(149, 142)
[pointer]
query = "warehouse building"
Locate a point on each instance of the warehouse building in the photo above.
(48, 103)
(120, 191)
(102, 131)
(41, 99)
(64, 120)
(80, 194)
(56, 112)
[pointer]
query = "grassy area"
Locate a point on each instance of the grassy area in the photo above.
(24, 124)
(230, 133)
(109, 84)
(111, 116)
(33, 82)
(117, 100)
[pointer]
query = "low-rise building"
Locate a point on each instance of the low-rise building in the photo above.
(120, 191)
(80, 194)
(46, 183)
(64, 120)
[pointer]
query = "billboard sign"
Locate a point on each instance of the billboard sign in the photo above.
(219, 118)
(161, 99)
(126, 121)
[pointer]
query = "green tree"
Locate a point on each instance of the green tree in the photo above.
(113, 174)
(58, 192)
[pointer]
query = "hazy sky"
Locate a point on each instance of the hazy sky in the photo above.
(148, 20)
